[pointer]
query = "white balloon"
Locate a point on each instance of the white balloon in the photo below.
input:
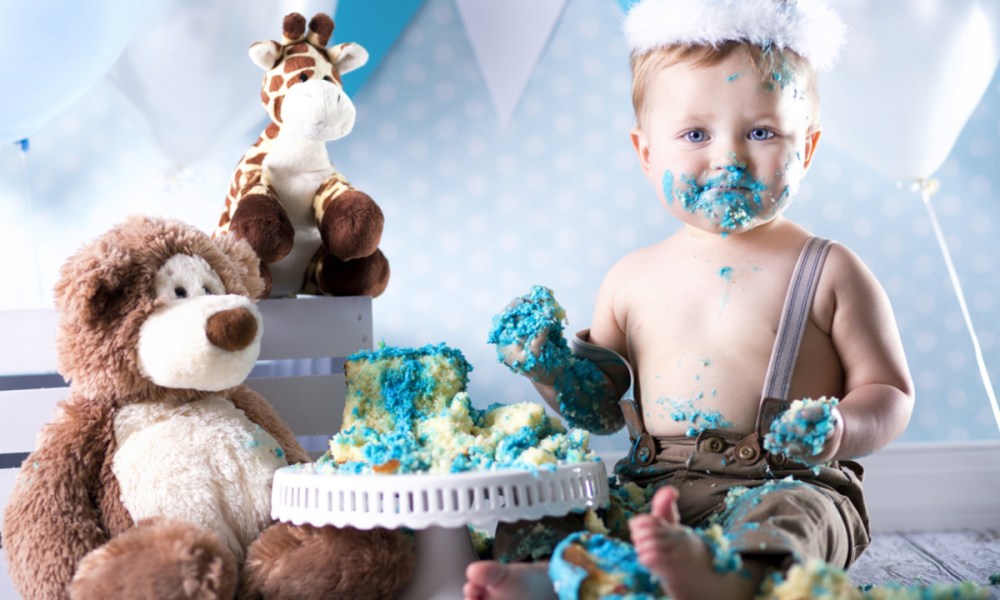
(190, 78)
(908, 79)
(53, 52)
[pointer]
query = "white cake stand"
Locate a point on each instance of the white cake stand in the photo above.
(437, 507)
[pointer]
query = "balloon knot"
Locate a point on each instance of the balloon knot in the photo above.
(927, 187)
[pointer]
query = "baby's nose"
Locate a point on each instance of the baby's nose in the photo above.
(728, 160)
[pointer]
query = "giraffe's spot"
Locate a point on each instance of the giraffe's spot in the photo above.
(297, 63)
(299, 48)
(277, 108)
(264, 97)
(276, 82)
(272, 130)
(256, 160)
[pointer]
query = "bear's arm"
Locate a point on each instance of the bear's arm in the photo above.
(52, 520)
(256, 408)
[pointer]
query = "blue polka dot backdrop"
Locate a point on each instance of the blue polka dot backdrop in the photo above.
(477, 211)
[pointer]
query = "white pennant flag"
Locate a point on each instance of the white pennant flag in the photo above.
(508, 38)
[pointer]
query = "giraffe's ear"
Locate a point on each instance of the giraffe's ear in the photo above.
(265, 54)
(347, 57)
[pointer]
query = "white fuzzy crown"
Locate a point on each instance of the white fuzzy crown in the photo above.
(807, 27)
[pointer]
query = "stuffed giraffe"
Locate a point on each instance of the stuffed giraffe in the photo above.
(313, 231)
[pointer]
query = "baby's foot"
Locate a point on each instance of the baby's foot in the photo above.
(491, 580)
(679, 558)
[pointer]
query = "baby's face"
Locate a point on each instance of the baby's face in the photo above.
(725, 150)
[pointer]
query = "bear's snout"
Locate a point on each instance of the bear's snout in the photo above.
(233, 329)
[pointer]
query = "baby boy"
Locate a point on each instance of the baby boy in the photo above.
(732, 317)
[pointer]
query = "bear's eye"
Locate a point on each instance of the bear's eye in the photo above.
(208, 292)
(180, 292)
(303, 77)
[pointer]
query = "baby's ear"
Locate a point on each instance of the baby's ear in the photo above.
(812, 141)
(641, 145)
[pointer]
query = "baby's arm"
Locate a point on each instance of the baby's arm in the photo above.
(878, 392)
(529, 339)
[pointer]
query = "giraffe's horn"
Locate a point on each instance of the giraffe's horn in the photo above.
(321, 27)
(293, 27)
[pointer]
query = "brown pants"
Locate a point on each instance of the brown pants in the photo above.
(768, 517)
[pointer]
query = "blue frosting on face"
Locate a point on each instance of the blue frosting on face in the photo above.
(731, 198)
(668, 186)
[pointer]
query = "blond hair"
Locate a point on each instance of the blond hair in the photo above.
(774, 66)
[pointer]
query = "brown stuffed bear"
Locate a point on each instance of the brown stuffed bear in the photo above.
(154, 479)
(313, 231)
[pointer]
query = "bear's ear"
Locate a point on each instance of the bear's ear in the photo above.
(246, 262)
(95, 288)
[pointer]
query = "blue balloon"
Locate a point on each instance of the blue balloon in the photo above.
(53, 52)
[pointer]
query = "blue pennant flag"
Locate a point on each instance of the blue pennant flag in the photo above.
(374, 26)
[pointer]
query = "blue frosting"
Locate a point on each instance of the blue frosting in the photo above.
(804, 427)
(581, 388)
(609, 555)
(530, 316)
(722, 198)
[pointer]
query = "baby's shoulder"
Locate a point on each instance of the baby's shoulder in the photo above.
(641, 261)
(845, 283)
(844, 267)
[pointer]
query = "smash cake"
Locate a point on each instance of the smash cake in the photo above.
(407, 411)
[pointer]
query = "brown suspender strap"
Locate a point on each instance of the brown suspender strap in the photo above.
(794, 317)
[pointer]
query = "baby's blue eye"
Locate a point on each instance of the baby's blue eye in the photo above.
(696, 136)
(760, 134)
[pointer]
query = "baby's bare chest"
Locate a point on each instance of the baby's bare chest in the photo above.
(701, 338)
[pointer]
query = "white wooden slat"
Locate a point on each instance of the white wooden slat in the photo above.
(315, 326)
(6, 587)
(309, 405)
(966, 485)
(29, 341)
(336, 326)
(22, 415)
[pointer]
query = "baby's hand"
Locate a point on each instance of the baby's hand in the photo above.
(528, 336)
(809, 431)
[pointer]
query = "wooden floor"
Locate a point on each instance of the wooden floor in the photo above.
(937, 557)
